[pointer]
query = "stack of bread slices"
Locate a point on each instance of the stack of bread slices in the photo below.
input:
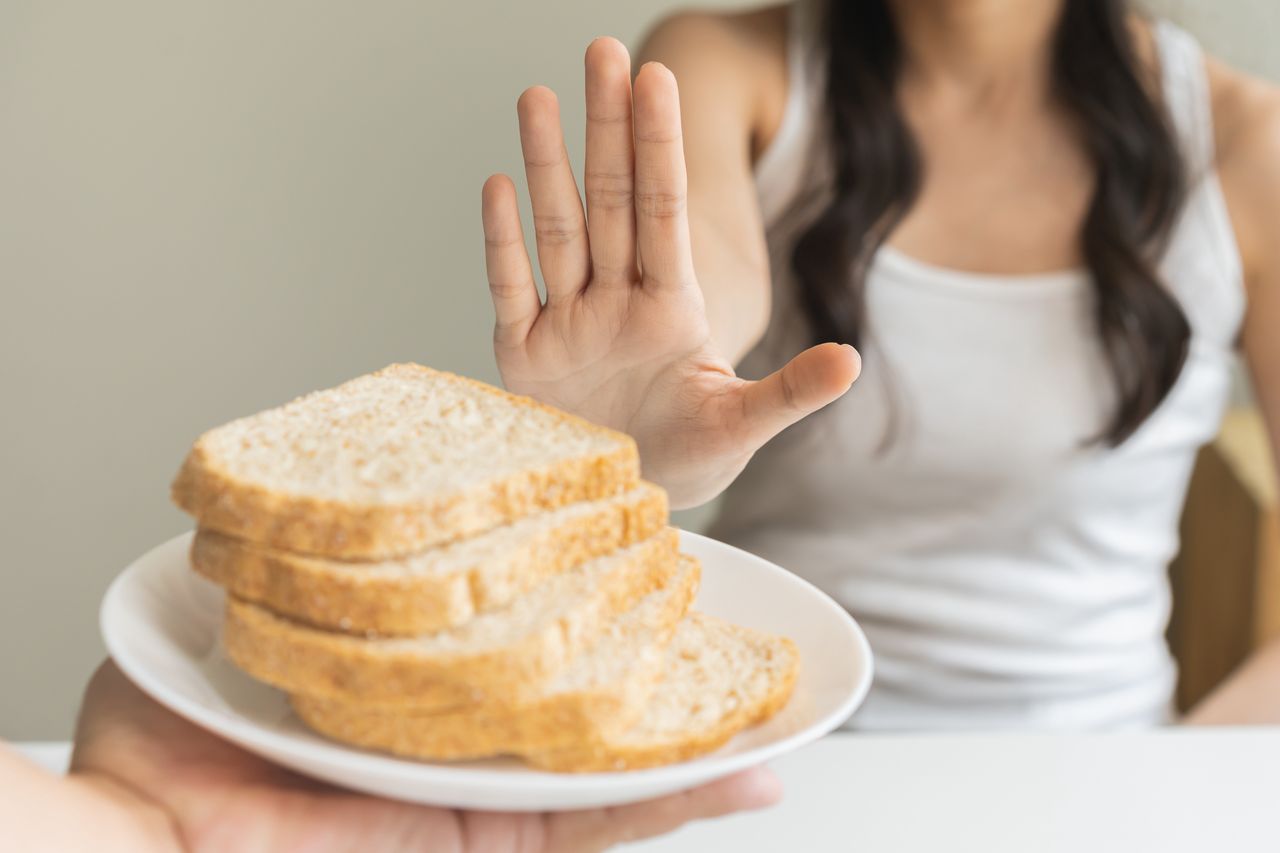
(435, 568)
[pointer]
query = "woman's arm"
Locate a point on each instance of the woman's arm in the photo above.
(1249, 697)
(1247, 115)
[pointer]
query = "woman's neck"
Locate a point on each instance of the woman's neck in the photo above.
(982, 52)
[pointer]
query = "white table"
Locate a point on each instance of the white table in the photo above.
(1169, 791)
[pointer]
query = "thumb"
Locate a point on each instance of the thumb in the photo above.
(811, 380)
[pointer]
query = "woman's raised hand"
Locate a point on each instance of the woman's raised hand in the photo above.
(622, 337)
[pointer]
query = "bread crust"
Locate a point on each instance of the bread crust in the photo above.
(487, 729)
(301, 659)
(601, 754)
(346, 596)
(246, 510)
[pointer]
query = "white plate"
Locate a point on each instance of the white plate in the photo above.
(160, 622)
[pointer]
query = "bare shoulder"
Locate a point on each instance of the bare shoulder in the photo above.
(1246, 118)
(1246, 113)
(727, 60)
(754, 34)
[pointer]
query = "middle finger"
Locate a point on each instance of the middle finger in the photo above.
(610, 166)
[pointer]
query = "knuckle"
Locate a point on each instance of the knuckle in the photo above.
(788, 389)
(607, 117)
(660, 204)
(501, 243)
(606, 198)
(505, 290)
(556, 229)
(659, 137)
(545, 161)
(609, 190)
(505, 335)
(612, 271)
(658, 280)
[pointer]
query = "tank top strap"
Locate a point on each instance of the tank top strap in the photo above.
(804, 21)
(782, 167)
(1185, 88)
(1204, 242)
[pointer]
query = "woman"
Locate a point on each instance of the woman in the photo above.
(1040, 223)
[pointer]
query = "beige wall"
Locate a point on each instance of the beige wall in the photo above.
(208, 208)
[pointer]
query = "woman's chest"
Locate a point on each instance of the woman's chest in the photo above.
(978, 394)
(969, 382)
(1000, 200)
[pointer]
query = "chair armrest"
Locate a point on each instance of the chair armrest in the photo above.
(1226, 578)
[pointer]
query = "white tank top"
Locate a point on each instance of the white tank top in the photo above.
(1008, 573)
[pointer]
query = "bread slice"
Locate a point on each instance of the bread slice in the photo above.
(435, 589)
(396, 462)
(496, 656)
(603, 689)
(719, 679)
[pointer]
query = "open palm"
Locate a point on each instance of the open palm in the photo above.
(622, 338)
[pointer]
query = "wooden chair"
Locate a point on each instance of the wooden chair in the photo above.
(1226, 578)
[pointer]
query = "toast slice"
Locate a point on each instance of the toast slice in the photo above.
(435, 589)
(396, 462)
(719, 678)
(603, 689)
(497, 656)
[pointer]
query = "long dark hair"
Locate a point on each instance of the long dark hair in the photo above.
(1139, 187)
